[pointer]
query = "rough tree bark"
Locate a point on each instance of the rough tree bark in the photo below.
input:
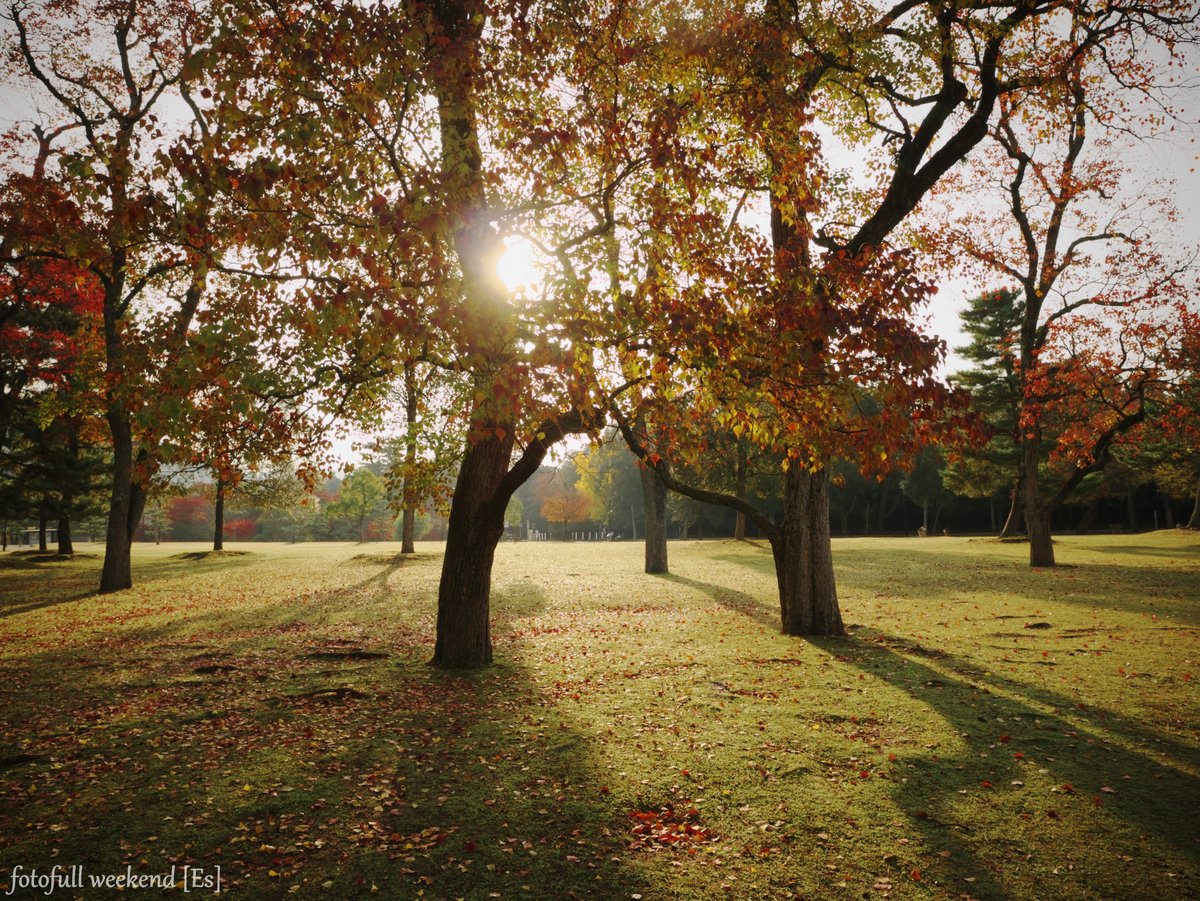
(1037, 514)
(655, 494)
(476, 526)
(125, 506)
(808, 603)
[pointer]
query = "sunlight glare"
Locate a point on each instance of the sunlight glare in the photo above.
(518, 268)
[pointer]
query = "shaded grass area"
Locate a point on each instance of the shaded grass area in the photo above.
(986, 730)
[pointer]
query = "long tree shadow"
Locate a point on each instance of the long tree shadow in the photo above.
(1013, 731)
(349, 774)
(729, 598)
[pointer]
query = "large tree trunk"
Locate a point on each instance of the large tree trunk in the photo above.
(219, 517)
(1194, 519)
(476, 514)
(808, 603)
(1037, 516)
(654, 492)
(1041, 543)
(65, 544)
(476, 526)
(127, 502)
(116, 573)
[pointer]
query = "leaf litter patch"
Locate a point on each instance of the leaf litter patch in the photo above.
(669, 826)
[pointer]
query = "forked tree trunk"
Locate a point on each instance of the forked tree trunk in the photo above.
(219, 518)
(808, 603)
(65, 544)
(654, 492)
(464, 639)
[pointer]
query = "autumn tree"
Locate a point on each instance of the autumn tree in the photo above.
(410, 225)
(95, 168)
(566, 505)
(785, 336)
(1096, 288)
(50, 377)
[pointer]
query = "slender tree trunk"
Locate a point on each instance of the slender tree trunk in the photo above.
(925, 514)
(808, 603)
(655, 494)
(409, 517)
(1089, 516)
(65, 544)
(1012, 523)
(1194, 519)
(1168, 511)
(992, 514)
(42, 545)
(1131, 508)
(739, 491)
(219, 517)
(476, 526)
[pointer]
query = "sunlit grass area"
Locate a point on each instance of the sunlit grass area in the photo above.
(985, 731)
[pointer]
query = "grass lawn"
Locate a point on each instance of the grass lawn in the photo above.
(985, 731)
